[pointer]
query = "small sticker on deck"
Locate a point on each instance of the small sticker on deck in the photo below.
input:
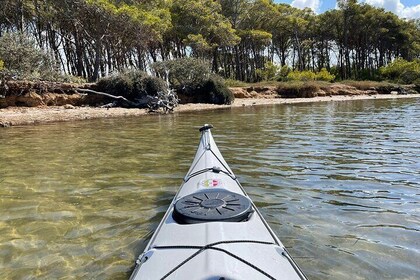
(210, 183)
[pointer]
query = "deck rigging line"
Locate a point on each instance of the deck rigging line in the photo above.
(212, 247)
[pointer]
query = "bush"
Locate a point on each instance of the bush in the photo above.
(131, 84)
(387, 88)
(268, 73)
(402, 71)
(213, 91)
(153, 85)
(298, 89)
(363, 85)
(322, 75)
(235, 83)
(417, 85)
(193, 81)
(216, 92)
(116, 85)
(301, 76)
(282, 74)
(184, 71)
(20, 56)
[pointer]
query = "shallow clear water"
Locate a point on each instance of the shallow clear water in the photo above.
(338, 182)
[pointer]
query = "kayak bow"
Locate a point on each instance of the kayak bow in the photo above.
(212, 229)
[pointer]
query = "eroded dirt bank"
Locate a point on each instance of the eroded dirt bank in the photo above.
(14, 116)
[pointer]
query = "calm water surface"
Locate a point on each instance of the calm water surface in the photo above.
(338, 182)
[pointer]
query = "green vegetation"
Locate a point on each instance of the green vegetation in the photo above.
(242, 40)
(365, 85)
(402, 71)
(23, 59)
(322, 75)
(382, 87)
(235, 83)
(194, 81)
(20, 56)
(298, 89)
(184, 72)
(213, 91)
(269, 72)
(131, 85)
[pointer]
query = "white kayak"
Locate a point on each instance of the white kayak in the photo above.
(212, 229)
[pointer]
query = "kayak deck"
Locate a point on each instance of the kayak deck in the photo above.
(204, 246)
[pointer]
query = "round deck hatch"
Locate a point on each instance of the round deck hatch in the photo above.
(212, 206)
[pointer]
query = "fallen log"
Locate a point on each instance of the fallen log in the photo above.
(119, 97)
(167, 101)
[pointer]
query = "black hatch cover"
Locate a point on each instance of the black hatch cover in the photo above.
(212, 206)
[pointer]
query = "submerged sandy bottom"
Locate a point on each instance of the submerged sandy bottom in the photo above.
(13, 116)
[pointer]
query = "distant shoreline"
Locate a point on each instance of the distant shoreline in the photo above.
(18, 116)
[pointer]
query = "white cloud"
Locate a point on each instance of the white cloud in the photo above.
(301, 4)
(396, 7)
(411, 12)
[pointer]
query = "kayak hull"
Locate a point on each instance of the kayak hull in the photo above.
(246, 249)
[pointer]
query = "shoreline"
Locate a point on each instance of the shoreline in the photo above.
(18, 116)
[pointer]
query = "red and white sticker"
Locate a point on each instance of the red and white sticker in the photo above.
(210, 183)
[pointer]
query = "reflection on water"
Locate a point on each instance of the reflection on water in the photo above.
(338, 182)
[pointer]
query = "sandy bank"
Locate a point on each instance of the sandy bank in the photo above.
(14, 116)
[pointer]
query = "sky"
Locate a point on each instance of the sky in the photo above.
(403, 8)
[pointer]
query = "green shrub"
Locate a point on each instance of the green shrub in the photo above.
(363, 85)
(322, 75)
(153, 85)
(282, 74)
(368, 74)
(235, 83)
(298, 89)
(116, 85)
(401, 71)
(1, 64)
(213, 91)
(409, 76)
(301, 76)
(216, 92)
(269, 71)
(21, 56)
(184, 71)
(387, 88)
(193, 81)
(335, 70)
(71, 79)
(417, 85)
(131, 84)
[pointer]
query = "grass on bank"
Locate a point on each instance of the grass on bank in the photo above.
(307, 89)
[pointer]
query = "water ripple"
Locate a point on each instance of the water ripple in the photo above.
(338, 182)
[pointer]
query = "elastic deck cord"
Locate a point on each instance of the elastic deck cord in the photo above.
(212, 247)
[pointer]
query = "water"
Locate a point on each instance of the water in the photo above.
(338, 182)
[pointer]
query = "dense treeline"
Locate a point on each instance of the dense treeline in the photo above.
(241, 38)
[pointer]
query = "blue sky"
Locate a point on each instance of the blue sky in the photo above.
(403, 8)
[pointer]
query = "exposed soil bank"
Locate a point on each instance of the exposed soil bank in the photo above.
(13, 116)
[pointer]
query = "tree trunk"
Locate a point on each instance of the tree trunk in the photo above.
(95, 74)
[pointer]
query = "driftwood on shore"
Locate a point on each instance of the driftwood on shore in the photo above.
(165, 101)
(121, 98)
(37, 93)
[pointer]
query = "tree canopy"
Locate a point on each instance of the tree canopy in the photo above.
(93, 38)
